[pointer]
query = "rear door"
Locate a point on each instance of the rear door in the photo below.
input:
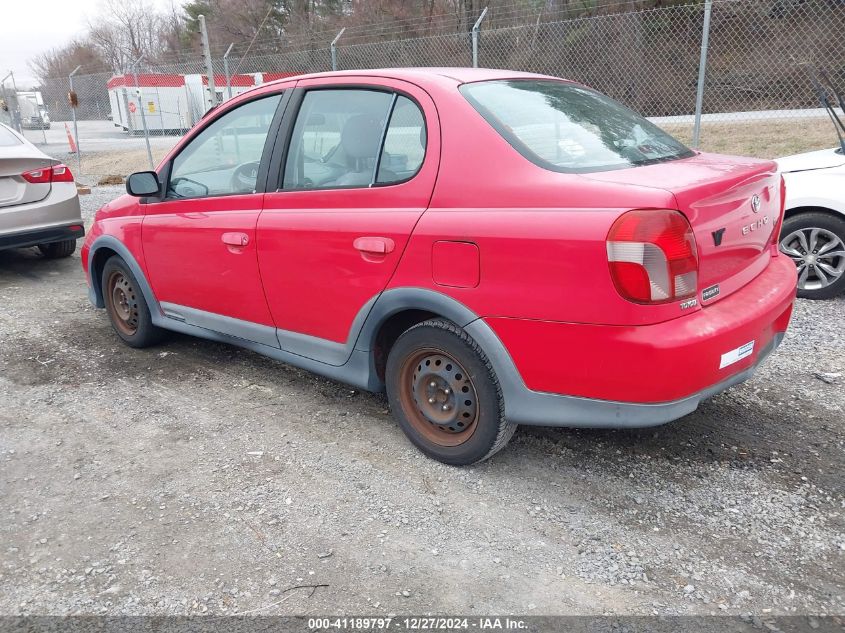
(357, 171)
(199, 241)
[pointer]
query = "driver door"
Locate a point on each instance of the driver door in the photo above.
(199, 240)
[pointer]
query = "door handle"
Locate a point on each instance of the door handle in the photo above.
(374, 245)
(235, 239)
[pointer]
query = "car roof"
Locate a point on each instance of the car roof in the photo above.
(423, 75)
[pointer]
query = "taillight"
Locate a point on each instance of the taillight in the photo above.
(56, 173)
(38, 176)
(61, 173)
(652, 255)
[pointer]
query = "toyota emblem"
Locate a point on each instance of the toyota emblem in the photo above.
(755, 203)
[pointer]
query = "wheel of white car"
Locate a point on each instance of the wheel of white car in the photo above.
(58, 250)
(815, 241)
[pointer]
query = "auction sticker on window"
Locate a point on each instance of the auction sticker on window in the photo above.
(735, 355)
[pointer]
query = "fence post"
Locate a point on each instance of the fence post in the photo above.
(13, 107)
(209, 68)
(6, 98)
(141, 106)
(226, 71)
(475, 28)
(334, 48)
(75, 129)
(702, 72)
(17, 101)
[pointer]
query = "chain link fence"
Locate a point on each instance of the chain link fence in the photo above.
(758, 97)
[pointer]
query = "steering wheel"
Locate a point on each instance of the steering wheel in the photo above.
(245, 177)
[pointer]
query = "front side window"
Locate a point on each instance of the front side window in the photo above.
(223, 159)
(569, 128)
(354, 138)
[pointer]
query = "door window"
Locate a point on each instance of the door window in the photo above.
(223, 159)
(340, 141)
(404, 143)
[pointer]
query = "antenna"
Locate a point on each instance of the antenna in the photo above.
(824, 99)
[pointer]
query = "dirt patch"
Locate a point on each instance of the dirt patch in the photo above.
(111, 179)
(119, 163)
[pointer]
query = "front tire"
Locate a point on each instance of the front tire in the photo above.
(816, 243)
(126, 306)
(58, 250)
(444, 394)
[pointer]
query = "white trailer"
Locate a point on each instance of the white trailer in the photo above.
(164, 100)
(173, 103)
(199, 94)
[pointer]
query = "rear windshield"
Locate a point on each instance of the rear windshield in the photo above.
(7, 139)
(569, 128)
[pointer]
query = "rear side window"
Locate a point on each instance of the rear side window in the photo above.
(348, 138)
(7, 139)
(569, 128)
(404, 143)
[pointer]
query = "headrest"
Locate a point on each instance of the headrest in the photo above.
(361, 136)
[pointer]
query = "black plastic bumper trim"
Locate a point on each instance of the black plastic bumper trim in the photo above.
(42, 236)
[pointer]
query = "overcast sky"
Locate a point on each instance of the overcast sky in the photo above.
(28, 27)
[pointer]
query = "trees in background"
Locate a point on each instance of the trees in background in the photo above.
(120, 32)
(60, 62)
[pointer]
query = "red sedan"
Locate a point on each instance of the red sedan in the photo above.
(492, 248)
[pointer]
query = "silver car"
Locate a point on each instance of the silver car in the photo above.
(39, 205)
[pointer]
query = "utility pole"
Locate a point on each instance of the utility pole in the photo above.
(75, 129)
(141, 106)
(475, 29)
(334, 48)
(702, 73)
(6, 101)
(14, 110)
(226, 71)
(209, 68)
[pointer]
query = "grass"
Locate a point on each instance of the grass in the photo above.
(761, 139)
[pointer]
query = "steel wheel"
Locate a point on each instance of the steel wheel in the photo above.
(438, 397)
(123, 303)
(819, 255)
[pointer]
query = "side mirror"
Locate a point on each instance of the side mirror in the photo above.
(143, 183)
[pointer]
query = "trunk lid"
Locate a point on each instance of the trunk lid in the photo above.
(733, 204)
(822, 159)
(15, 160)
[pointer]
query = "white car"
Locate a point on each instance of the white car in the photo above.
(39, 205)
(813, 232)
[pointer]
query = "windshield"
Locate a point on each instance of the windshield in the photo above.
(569, 128)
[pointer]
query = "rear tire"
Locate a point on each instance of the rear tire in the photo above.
(58, 250)
(126, 306)
(444, 394)
(812, 240)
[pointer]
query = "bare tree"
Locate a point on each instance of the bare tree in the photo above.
(126, 30)
(59, 62)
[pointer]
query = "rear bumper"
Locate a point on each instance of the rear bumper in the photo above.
(42, 221)
(564, 374)
(42, 236)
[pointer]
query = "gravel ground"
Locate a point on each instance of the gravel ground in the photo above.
(199, 478)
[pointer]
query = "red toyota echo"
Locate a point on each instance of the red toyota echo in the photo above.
(492, 248)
